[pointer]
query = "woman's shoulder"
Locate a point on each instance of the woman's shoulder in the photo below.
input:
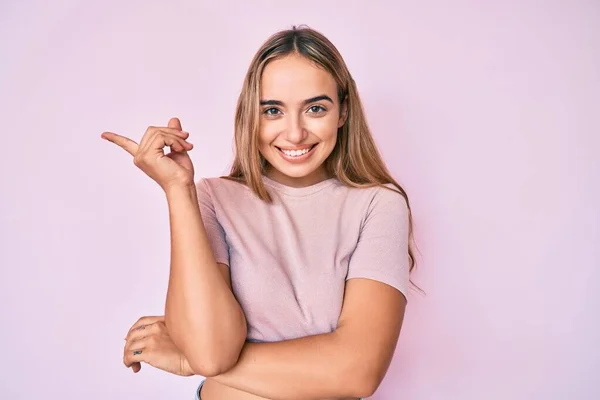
(215, 182)
(371, 191)
(384, 198)
(220, 186)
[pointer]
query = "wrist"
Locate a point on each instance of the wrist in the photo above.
(180, 190)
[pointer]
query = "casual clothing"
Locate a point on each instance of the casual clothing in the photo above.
(289, 260)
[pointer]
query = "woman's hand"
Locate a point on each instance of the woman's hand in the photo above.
(148, 341)
(167, 170)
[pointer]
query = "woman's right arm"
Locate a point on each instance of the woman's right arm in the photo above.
(203, 318)
(202, 315)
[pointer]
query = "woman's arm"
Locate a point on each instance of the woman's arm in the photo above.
(349, 362)
(202, 315)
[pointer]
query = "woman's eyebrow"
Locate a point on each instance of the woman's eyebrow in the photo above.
(305, 102)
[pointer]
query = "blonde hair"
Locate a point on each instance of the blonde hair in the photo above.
(355, 161)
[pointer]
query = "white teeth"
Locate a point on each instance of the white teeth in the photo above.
(295, 153)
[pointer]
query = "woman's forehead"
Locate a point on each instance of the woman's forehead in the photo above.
(295, 78)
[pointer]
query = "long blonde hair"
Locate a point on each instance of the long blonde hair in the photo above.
(355, 160)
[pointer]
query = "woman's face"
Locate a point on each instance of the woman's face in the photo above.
(299, 119)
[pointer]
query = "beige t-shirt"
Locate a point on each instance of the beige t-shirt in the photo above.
(289, 260)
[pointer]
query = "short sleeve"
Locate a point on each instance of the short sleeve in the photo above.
(381, 253)
(214, 230)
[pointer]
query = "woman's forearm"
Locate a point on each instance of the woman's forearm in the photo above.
(312, 367)
(203, 317)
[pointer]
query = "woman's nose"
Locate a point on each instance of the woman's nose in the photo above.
(295, 131)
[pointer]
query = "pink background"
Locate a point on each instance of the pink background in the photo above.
(487, 112)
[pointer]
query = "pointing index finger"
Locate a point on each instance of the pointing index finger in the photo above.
(127, 144)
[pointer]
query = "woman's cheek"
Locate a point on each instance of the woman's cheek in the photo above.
(269, 130)
(323, 127)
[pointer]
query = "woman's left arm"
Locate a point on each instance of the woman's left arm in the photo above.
(349, 362)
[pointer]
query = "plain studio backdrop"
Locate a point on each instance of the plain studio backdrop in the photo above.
(487, 112)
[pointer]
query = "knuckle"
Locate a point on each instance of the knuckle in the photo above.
(140, 330)
(138, 160)
(141, 319)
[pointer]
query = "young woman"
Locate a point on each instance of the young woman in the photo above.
(288, 277)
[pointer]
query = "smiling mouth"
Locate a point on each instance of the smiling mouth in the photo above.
(297, 153)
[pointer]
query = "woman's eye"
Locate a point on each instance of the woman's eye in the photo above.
(317, 109)
(271, 111)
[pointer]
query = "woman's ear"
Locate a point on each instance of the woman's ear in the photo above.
(343, 112)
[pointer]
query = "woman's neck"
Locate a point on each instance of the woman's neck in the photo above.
(318, 175)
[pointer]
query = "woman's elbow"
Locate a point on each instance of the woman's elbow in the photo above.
(365, 381)
(210, 368)
(216, 359)
(367, 388)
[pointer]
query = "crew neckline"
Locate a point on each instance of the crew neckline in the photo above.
(298, 191)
